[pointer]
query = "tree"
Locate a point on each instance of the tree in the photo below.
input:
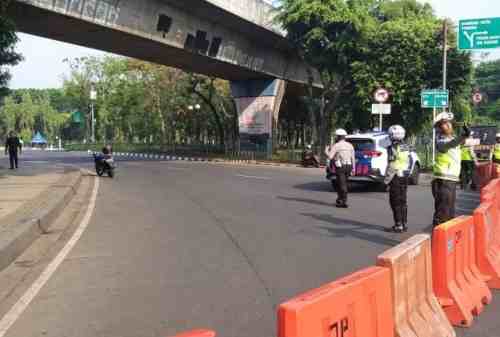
(8, 39)
(487, 81)
(327, 34)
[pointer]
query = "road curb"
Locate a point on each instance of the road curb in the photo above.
(34, 218)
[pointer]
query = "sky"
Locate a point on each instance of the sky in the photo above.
(43, 66)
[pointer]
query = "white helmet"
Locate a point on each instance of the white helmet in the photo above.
(397, 132)
(340, 133)
(443, 116)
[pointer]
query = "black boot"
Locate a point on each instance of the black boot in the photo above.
(405, 219)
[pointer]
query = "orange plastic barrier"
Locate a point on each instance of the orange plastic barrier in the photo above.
(495, 171)
(457, 282)
(484, 173)
(418, 313)
(359, 305)
(197, 333)
(488, 242)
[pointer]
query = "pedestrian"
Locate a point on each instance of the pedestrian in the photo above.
(396, 177)
(495, 154)
(13, 147)
(343, 161)
(446, 168)
(468, 164)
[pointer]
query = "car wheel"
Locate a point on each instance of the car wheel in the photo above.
(415, 175)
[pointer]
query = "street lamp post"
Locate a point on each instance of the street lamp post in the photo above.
(93, 97)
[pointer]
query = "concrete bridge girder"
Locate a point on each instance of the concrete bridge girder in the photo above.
(167, 32)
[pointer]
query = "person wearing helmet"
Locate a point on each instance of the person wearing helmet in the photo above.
(446, 168)
(342, 159)
(308, 157)
(495, 155)
(468, 163)
(396, 177)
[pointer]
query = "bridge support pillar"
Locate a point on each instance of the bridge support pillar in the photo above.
(258, 104)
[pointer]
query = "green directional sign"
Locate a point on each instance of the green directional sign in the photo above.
(434, 98)
(77, 117)
(479, 34)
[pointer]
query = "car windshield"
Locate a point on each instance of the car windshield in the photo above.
(362, 144)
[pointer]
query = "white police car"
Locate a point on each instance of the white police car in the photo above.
(371, 159)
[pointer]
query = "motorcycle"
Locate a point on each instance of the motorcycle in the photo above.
(104, 165)
(309, 159)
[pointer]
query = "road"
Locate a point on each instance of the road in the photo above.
(178, 245)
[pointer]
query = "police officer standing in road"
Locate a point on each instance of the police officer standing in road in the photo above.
(446, 168)
(396, 177)
(468, 164)
(342, 158)
(12, 146)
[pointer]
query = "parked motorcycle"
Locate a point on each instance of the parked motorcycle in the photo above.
(104, 165)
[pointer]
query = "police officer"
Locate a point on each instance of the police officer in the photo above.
(396, 177)
(13, 148)
(496, 150)
(468, 164)
(342, 158)
(446, 168)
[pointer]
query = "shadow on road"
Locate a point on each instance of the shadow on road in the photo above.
(308, 201)
(340, 228)
(319, 186)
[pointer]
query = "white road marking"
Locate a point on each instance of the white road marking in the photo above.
(250, 177)
(17, 310)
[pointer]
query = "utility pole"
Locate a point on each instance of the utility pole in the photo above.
(445, 52)
(93, 97)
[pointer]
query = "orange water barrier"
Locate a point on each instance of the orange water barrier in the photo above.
(417, 310)
(458, 284)
(197, 333)
(358, 305)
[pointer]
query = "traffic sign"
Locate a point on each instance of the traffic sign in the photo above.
(381, 109)
(381, 95)
(479, 34)
(477, 97)
(434, 98)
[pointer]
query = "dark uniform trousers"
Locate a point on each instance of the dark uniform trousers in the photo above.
(444, 192)
(397, 198)
(342, 174)
(13, 158)
(467, 173)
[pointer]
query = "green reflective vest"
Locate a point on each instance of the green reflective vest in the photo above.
(496, 152)
(447, 165)
(402, 160)
(466, 153)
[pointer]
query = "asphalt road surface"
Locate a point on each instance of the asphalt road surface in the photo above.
(176, 245)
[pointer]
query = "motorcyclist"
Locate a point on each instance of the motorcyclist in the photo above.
(308, 157)
(342, 158)
(396, 177)
(107, 155)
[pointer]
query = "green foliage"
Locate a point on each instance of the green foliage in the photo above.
(360, 45)
(143, 102)
(27, 114)
(487, 81)
(8, 39)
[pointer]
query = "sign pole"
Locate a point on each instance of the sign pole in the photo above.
(445, 52)
(380, 122)
(433, 136)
